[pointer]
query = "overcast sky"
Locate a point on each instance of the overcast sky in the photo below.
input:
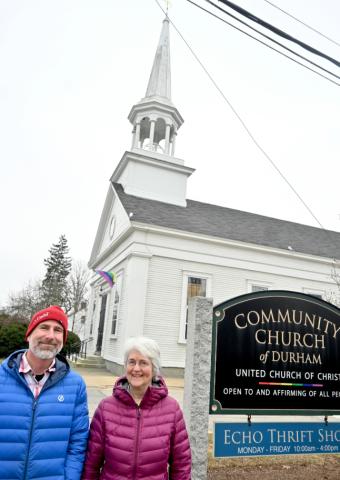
(72, 69)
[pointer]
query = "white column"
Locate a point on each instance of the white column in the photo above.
(133, 137)
(152, 132)
(135, 283)
(167, 139)
(173, 143)
(137, 135)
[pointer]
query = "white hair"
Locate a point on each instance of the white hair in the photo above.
(146, 347)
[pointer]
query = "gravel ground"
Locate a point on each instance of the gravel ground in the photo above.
(299, 467)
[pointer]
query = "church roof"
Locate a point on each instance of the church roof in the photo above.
(227, 223)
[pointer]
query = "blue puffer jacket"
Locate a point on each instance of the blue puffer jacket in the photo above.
(42, 439)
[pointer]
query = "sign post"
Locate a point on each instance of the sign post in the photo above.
(196, 381)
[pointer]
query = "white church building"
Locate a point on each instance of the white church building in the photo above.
(164, 248)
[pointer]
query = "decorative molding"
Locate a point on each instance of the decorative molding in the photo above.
(156, 159)
(231, 243)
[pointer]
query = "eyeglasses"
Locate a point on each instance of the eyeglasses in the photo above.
(141, 363)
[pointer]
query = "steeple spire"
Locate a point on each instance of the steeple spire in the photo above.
(160, 78)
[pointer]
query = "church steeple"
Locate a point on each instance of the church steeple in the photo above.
(160, 77)
(150, 169)
(155, 119)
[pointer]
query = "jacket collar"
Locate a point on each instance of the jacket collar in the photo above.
(155, 392)
(62, 367)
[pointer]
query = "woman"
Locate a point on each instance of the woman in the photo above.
(139, 432)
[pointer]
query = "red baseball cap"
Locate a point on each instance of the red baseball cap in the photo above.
(51, 313)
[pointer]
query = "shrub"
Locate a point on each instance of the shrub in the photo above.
(12, 337)
(72, 344)
(6, 319)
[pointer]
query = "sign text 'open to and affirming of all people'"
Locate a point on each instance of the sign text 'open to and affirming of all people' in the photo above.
(275, 351)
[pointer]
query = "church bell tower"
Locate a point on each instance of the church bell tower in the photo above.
(150, 169)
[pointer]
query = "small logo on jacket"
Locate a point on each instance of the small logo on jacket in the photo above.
(61, 398)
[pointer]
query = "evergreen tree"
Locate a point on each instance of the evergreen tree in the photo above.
(58, 266)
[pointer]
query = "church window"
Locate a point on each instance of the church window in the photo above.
(112, 227)
(194, 285)
(258, 286)
(314, 293)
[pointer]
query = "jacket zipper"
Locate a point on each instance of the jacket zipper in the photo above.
(136, 443)
(30, 439)
(46, 386)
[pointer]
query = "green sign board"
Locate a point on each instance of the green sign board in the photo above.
(275, 352)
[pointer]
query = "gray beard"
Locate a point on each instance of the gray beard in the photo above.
(45, 354)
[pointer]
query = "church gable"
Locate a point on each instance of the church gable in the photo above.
(114, 220)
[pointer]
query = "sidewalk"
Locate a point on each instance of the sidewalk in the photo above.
(99, 384)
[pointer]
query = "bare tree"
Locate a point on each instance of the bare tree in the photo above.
(26, 302)
(77, 289)
(333, 296)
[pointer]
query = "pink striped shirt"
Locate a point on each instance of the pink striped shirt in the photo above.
(34, 384)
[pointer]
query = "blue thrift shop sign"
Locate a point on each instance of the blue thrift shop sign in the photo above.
(262, 439)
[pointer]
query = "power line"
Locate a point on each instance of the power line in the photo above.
(270, 39)
(266, 44)
(266, 155)
(303, 23)
(278, 31)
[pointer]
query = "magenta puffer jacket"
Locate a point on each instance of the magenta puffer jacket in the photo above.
(131, 442)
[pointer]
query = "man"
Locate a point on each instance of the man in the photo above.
(43, 406)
